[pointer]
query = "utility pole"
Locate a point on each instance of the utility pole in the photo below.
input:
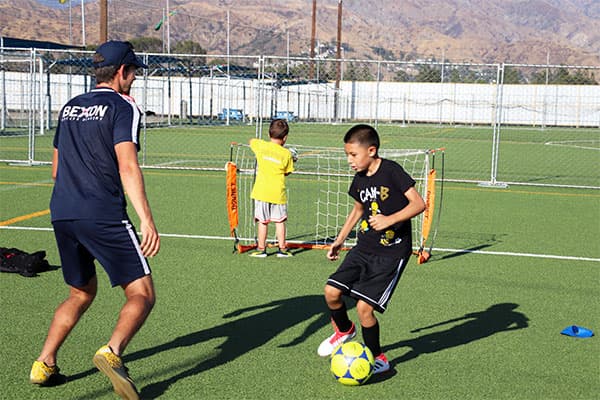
(312, 39)
(103, 21)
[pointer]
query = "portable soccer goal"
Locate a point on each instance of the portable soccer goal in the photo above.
(318, 200)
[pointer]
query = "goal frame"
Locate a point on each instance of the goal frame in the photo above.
(327, 168)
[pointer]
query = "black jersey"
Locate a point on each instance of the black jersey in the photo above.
(383, 193)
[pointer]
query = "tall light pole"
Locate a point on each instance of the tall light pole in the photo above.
(157, 27)
(228, 48)
(166, 18)
(338, 56)
(312, 39)
(70, 23)
(82, 23)
(168, 29)
(287, 51)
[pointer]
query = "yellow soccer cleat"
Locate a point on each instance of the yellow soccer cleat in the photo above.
(43, 375)
(112, 366)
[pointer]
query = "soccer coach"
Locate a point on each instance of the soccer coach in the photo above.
(94, 164)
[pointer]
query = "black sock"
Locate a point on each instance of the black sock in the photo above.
(340, 317)
(371, 338)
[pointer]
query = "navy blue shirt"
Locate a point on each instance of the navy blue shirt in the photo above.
(383, 193)
(88, 184)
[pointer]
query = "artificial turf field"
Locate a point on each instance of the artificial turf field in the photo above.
(481, 320)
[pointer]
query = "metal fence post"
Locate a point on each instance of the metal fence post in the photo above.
(496, 130)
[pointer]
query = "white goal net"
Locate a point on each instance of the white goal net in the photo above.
(318, 200)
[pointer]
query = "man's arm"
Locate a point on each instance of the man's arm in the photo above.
(133, 183)
(54, 163)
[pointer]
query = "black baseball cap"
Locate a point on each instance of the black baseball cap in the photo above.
(117, 53)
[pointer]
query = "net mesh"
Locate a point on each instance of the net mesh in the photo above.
(318, 200)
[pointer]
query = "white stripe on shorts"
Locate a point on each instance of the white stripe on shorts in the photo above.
(133, 237)
(388, 291)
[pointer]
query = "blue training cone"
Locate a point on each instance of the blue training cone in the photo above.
(577, 331)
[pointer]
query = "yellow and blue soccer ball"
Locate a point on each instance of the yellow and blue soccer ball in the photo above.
(352, 363)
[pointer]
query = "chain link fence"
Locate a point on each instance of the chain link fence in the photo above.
(505, 123)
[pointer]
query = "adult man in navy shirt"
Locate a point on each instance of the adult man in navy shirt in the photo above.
(94, 164)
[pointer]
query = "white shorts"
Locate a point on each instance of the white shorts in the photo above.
(268, 212)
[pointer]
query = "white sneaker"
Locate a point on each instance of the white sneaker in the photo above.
(284, 253)
(328, 345)
(258, 253)
(381, 364)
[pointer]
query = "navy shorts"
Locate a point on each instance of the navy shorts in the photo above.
(113, 243)
(369, 277)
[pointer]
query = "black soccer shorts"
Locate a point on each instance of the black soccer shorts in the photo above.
(369, 277)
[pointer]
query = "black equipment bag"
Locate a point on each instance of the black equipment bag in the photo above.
(21, 262)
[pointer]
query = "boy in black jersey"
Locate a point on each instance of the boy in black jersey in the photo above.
(385, 200)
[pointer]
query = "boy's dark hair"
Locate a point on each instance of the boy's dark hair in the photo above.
(363, 134)
(278, 129)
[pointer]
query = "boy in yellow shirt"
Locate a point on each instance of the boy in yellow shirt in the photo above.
(274, 163)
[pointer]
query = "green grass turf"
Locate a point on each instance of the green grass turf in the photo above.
(565, 156)
(227, 326)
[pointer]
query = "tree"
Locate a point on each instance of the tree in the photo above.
(429, 73)
(366, 74)
(402, 76)
(188, 47)
(538, 78)
(351, 72)
(385, 54)
(562, 76)
(581, 79)
(454, 76)
(512, 75)
(147, 45)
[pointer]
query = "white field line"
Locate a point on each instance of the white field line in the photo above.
(177, 162)
(5, 187)
(484, 252)
(507, 253)
(575, 144)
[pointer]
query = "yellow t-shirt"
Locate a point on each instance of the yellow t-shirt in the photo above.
(273, 163)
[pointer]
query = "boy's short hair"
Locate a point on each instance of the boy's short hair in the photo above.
(278, 129)
(363, 134)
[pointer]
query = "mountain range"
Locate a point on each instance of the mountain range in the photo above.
(491, 31)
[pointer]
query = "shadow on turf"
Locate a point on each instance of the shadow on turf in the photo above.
(34, 273)
(483, 241)
(247, 333)
(478, 325)
(242, 335)
(461, 253)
